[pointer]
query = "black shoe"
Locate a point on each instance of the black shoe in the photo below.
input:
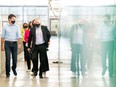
(15, 72)
(104, 71)
(40, 77)
(35, 74)
(7, 76)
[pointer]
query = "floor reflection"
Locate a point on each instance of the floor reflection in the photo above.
(59, 74)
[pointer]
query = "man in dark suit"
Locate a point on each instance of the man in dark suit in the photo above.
(39, 37)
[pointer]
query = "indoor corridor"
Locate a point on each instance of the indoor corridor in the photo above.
(59, 74)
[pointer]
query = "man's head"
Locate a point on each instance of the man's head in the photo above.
(106, 18)
(11, 18)
(81, 22)
(37, 22)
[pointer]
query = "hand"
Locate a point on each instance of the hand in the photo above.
(48, 43)
(29, 50)
(19, 46)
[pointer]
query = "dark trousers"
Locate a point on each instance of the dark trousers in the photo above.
(10, 48)
(44, 66)
(77, 53)
(28, 58)
(107, 51)
(24, 48)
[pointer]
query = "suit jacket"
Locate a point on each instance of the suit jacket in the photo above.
(32, 36)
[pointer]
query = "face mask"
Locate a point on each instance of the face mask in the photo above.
(37, 25)
(12, 22)
(106, 20)
(25, 27)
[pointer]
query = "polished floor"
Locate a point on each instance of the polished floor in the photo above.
(59, 74)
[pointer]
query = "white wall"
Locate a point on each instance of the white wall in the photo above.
(2, 59)
(87, 2)
(24, 2)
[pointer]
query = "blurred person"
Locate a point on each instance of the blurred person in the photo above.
(30, 25)
(11, 41)
(77, 47)
(40, 37)
(28, 57)
(33, 22)
(25, 27)
(106, 34)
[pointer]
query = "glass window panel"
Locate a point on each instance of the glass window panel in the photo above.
(30, 17)
(38, 11)
(15, 10)
(31, 10)
(19, 17)
(44, 19)
(4, 18)
(109, 10)
(41, 10)
(25, 9)
(5, 10)
(0, 10)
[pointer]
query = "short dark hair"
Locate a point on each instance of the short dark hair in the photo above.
(11, 15)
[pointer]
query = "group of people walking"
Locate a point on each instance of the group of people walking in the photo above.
(35, 39)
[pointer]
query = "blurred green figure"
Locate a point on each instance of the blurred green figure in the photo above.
(77, 48)
(106, 35)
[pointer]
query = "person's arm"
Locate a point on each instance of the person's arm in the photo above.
(2, 44)
(30, 40)
(48, 34)
(19, 42)
(71, 32)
